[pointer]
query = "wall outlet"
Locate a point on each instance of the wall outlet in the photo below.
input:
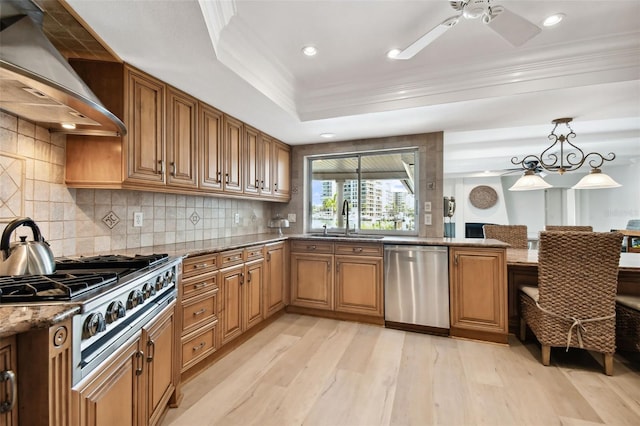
(236, 218)
(427, 218)
(427, 206)
(137, 219)
(291, 217)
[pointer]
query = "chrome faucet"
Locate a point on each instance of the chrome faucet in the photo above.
(345, 212)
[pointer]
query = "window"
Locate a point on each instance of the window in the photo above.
(379, 188)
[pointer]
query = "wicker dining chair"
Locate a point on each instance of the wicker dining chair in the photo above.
(574, 304)
(628, 322)
(515, 235)
(584, 228)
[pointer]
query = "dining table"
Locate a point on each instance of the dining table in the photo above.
(522, 269)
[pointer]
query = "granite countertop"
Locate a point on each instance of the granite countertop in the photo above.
(395, 239)
(16, 319)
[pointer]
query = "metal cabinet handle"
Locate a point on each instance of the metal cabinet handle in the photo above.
(139, 355)
(328, 267)
(311, 247)
(275, 187)
(219, 177)
(257, 183)
(268, 256)
(262, 186)
(161, 171)
(200, 346)
(200, 312)
(152, 350)
(249, 277)
(200, 285)
(337, 266)
(200, 265)
(226, 175)
(173, 168)
(357, 249)
(10, 376)
(456, 260)
(242, 278)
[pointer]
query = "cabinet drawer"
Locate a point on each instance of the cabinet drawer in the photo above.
(307, 246)
(200, 311)
(198, 345)
(356, 249)
(199, 265)
(252, 253)
(195, 286)
(231, 257)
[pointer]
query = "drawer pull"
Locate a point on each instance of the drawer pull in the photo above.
(311, 247)
(200, 285)
(200, 346)
(140, 356)
(357, 249)
(200, 312)
(200, 265)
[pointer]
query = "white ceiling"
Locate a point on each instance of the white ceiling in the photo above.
(492, 100)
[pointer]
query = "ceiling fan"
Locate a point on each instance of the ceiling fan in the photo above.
(512, 27)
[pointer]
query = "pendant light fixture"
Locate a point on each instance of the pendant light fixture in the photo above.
(563, 158)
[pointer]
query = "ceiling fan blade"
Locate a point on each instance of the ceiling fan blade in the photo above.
(426, 39)
(513, 28)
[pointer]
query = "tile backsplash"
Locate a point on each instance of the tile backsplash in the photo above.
(87, 221)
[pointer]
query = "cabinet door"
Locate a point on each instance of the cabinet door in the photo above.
(113, 395)
(181, 139)
(312, 280)
(210, 139)
(252, 169)
(478, 293)
(282, 174)
(160, 368)
(252, 294)
(230, 315)
(144, 115)
(359, 285)
(8, 368)
(232, 154)
(267, 153)
(274, 294)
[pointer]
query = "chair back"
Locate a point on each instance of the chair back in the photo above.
(585, 228)
(578, 272)
(515, 235)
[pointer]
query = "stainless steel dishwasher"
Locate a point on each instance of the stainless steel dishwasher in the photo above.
(416, 288)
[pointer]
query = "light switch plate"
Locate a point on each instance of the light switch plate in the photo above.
(291, 217)
(427, 218)
(427, 206)
(236, 218)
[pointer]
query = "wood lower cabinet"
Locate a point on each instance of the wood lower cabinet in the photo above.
(8, 382)
(478, 292)
(340, 277)
(241, 292)
(312, 280)
(358, 285)
(275, 283)
(44, 397)
(135, 383)
(199, 307)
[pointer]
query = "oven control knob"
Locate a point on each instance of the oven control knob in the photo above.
(170, 277)
(160, 282)
(148, 290)
(135, 298)
(115, 310)
(93, 325)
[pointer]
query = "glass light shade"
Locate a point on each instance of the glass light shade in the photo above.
(529, 182)
(596, 180)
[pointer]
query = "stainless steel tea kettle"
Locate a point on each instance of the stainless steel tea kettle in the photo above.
(25, 257)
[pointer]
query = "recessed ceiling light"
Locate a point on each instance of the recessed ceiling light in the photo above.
(309, 51)
(393, 53)
(327, 135)
(69, 126)
(553, 20)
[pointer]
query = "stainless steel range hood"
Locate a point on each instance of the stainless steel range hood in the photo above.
(38, 84)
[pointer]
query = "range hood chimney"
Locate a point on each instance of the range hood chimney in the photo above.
(38, 84)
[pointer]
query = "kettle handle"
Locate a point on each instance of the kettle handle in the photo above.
(12, 226)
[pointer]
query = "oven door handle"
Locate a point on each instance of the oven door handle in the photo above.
(151, 352)
(10, 376)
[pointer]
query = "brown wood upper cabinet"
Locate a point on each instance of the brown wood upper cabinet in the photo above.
(167, 131)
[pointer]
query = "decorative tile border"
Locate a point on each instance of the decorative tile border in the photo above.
(12, 184)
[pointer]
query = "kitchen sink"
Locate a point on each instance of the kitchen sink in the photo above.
(354, 236)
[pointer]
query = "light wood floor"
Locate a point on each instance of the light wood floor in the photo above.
(313, 371)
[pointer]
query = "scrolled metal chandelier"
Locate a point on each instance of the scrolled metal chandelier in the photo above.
(561, 159)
